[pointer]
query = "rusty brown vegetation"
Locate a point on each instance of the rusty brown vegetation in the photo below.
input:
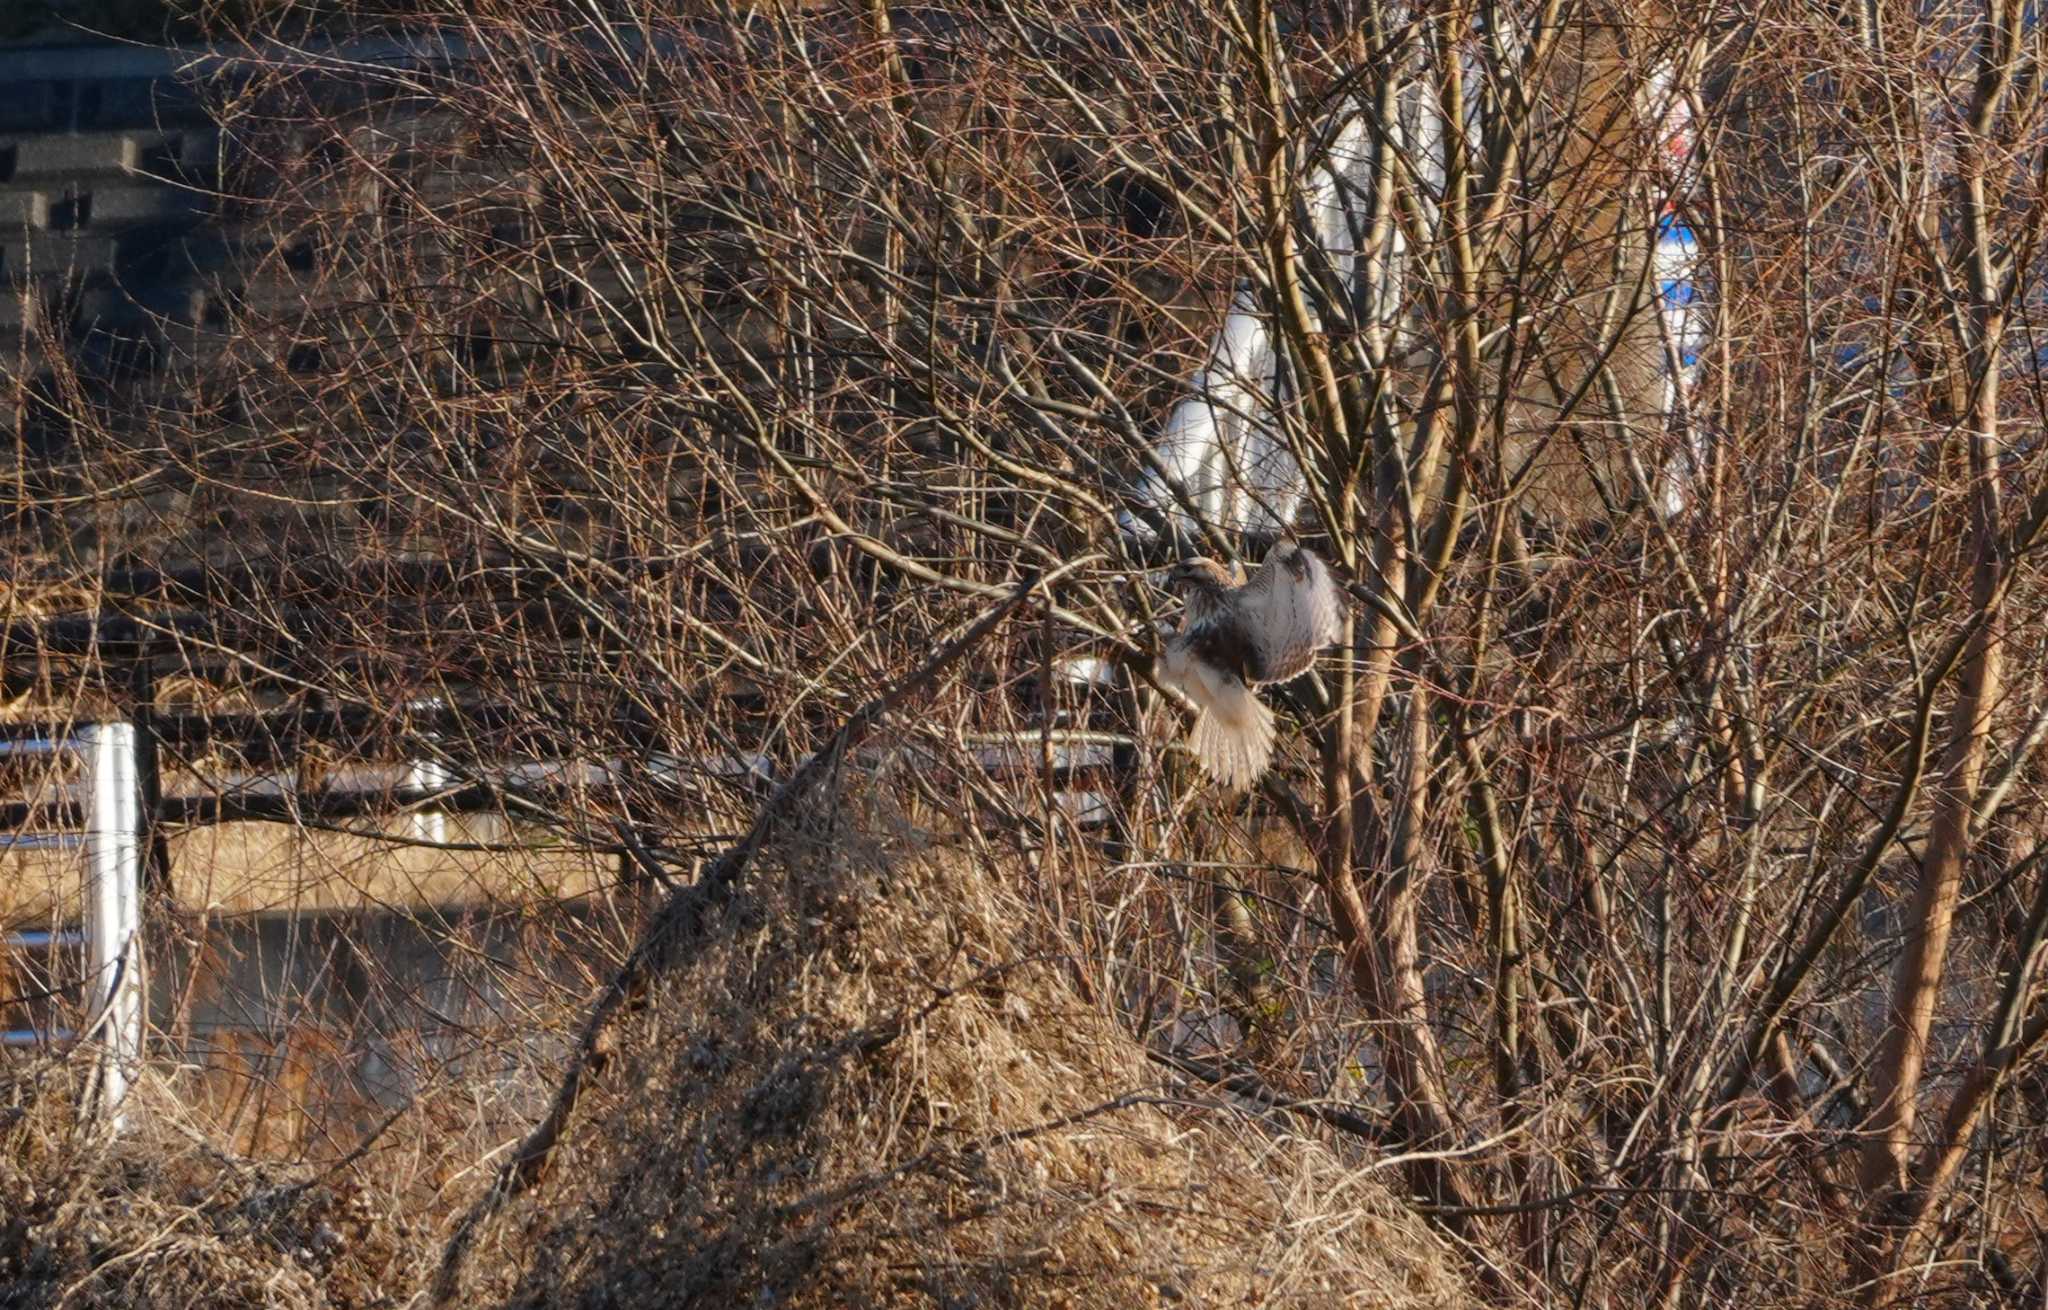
(723, 414)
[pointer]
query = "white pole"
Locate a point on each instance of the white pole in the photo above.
(113, 909)
(429, 823)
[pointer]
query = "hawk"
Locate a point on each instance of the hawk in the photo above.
(1237, 636)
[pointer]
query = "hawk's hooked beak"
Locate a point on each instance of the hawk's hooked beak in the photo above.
(1151, 577)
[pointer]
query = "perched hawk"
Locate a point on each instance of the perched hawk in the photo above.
(1236, 637)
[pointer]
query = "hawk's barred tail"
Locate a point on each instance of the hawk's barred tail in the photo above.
(1233, 738)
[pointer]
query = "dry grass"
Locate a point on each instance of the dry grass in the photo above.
(162, 1217)
(254, 868)
(871, 1091)
(878, 1084)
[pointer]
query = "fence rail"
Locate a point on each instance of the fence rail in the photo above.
(111, 814)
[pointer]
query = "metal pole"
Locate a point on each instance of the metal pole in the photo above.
(113, 910)
(429, 822)
(424, 778)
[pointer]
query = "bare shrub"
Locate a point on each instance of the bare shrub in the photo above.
(1652, 874)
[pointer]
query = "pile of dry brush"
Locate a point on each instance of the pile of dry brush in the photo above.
(864, 1088)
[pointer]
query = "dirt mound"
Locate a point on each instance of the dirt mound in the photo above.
(870, 1091)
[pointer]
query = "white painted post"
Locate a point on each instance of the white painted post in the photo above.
(113, 911)
(429, 824)
(427, 776)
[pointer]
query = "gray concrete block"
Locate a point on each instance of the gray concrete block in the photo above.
(24, 209)
(117, 202)
(86, 255)
(65, 154)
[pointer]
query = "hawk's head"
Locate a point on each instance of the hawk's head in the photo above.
(1199, 579)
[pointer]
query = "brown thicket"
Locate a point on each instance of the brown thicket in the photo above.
(1649, 893)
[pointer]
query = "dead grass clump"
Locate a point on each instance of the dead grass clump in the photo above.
(159, 1219)
(868, 1089)
(873, 1080)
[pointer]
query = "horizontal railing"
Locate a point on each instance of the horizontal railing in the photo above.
(108, 814)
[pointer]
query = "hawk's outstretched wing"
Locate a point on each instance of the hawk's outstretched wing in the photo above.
(1289, 610)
